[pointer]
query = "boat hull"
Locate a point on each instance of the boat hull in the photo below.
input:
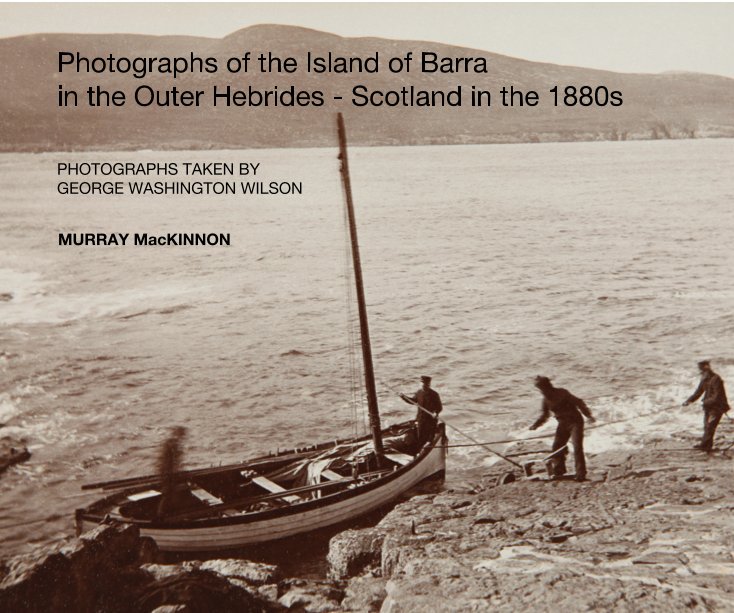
(242, 531)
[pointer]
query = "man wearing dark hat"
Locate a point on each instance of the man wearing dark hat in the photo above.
(715, 403)
(569, 411)
(428, 399)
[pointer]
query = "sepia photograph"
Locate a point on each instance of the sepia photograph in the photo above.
(366, 307)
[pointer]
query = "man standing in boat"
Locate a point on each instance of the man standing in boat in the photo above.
(169, 464)
(715, 403)
(425, 398)
(569, 411)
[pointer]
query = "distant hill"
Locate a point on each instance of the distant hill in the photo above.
(671, 105)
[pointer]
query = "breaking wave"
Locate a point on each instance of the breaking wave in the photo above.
(36, 301)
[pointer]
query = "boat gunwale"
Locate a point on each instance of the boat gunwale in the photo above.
(302, 452)
(292, 509)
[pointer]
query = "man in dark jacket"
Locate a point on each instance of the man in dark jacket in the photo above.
(169, 464)
(570, 412)
(715, 403)
(429, 399)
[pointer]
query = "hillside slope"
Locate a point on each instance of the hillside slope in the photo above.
(679, 105)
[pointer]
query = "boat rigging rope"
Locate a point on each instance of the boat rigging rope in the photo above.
(464, 434)
(355, 385)
(552, 434)
(476, 443)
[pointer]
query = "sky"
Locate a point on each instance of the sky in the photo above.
(623, 37)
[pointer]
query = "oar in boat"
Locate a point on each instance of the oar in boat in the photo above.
(197, 472)
(200, 513)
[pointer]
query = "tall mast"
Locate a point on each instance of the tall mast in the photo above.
(369, 373)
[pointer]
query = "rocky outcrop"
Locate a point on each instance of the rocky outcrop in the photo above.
(652, 531)
(365, 593)
(89, 572)
(106, 570)
(351, 551)
(12, 452)
(311, 596)
(251, 573)
(215, 585)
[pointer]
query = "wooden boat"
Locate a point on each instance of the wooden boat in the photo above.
(271, 497)
(284, 494)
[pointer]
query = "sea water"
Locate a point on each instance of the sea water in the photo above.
(605, 266)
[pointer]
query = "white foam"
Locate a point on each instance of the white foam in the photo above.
(34, 300)
(655, 415)
(21, 285)
(8, 409)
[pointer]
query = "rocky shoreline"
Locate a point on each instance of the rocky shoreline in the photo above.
(653, 530)
(112, 569)
(12, 451)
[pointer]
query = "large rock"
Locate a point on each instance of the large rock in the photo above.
(364, 593)
(223, 585)
(98, 568)
(38, 582)
(252, 573)
(12, 451)
(198, 591)
(312, 597)
(352, 551)
(121, 543)
(396, 551)
(100, 572)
